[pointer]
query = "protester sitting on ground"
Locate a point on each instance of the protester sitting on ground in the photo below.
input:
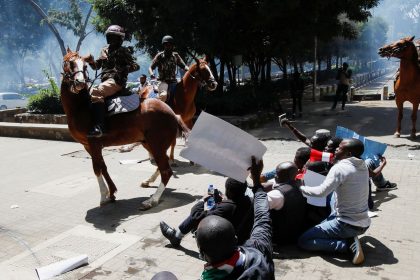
(348, 178)
(287, 205)
(302, 155)
(217, 242)
(236, 208)
(317, 142)
(375, 174)
(316, 214)
(333, 144)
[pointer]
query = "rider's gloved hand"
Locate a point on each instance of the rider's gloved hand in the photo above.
(89, 59)
(152, 77)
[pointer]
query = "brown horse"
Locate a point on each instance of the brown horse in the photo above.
(153, 124)
(407, 85)
(198, 75)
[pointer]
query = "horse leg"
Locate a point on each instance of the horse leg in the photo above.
(400, 117)
(165, 170)
(111, 186)
(414, 120)
(100, 170)
(171, 154)
(128, 148)
(152, 178)
(190, 124)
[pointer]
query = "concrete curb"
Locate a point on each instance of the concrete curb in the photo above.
(36, 131)
(60, 132)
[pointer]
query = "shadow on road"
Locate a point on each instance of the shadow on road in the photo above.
(110, 216)
(376, 254)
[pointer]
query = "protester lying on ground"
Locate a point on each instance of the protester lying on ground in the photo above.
(375, 174)
(287, 205)
(317, 142)
(217, 242)
(348, 178)
(236, 208)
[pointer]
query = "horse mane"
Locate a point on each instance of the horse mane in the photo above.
(415, 53)
(71, 56)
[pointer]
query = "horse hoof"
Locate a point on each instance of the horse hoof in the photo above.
(145, 185)
(108, 200)
(148, 204)
(125, 149)
(397, 135)
(413, 136)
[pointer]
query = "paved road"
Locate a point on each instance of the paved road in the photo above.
(50, 208)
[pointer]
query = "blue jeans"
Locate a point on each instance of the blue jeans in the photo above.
(379, 180)
(329, 236)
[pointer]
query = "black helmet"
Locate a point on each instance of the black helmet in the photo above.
(115, 30)
(167, 39)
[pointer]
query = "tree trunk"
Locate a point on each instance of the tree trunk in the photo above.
(83, 30)
(268, 70)
(314, 68)
(51, 26)
(262, 66)
(221, 80)
(295, 65)
(302, 70)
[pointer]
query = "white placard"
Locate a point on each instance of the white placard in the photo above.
(313, 179)
(58, 268)
(222, 147)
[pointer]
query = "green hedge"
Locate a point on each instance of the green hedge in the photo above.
(46, 101)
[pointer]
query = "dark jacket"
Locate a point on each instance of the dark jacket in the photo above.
(289, 221)
(239, 213)
(166, 65)
(258, 249)
(116, 64)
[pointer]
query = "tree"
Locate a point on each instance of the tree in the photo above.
(71, 19)
(20, 36)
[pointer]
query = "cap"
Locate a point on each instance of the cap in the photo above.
(322, 131)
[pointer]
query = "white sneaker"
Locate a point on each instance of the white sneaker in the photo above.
(356, 250)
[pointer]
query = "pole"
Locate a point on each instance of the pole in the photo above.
(314, 68)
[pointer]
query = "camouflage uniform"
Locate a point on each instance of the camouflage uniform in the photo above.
(166, 65)
(115, 66)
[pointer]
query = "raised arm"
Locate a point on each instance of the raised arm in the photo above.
(299, 135)
(261, 232)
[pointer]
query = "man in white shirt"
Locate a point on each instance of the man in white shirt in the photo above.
(349, 179)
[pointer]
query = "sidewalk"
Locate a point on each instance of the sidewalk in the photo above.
(50, 210)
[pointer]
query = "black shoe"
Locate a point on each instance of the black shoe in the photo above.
(356, 251)
(96, 132)
(387, 187)
(170, 234)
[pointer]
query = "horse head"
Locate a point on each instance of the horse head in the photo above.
(403, 48)
(75, 71)
(201, 71)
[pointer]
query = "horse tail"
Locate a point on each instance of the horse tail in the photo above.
(183, 130)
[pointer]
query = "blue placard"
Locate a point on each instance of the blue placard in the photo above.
(373, 149)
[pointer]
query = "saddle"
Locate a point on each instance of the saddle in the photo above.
(123, 101)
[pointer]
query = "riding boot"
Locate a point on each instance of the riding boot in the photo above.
(98, 110)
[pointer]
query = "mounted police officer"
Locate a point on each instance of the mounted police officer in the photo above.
(166, 62)
(116, 62)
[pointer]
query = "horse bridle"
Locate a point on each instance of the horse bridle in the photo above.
(199, 76)
(69, 75)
